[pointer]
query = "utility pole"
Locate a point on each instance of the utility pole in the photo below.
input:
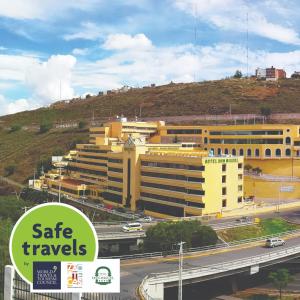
(180, 264)
(59, 189)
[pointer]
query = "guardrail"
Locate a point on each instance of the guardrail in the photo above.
(120, 235)
(172, 276)
(206, 248)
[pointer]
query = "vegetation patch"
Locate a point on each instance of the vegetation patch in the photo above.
(265, 227)
(165, 236)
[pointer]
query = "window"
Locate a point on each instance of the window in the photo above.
(224, 203)
(241, 152)
(212, 151)
(219, 151)
(288, 140)
(240, 199)
(240, 188)
(240, 165)
(184, 131)
(268, 152)
(249, 152)
(278, 152)
(205, 140)
(224, 191)
(240, 176)
(257, 152)
(298, 152)
(223, 168)
(223, 178)
(233, 152)
(226, 151)
(288, 152)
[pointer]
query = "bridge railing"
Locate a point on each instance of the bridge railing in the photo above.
(158, 278)
(207, 248)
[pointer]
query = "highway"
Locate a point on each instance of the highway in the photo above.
(133, 271)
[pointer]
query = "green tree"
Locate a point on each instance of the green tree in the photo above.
(248, 167)
(45, 127)
(265, 111)
(280, 279)
(238, 74)
(82, 124)
(164, 236)
(15, 127)
(9, 170)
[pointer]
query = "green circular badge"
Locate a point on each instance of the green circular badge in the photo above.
(52, 232)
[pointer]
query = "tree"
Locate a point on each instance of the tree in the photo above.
(248, 167)
(280, 279)
(265, 111)
(257, 170)
(238, 74)
(15, 127)
(164, 236)
(45, 127)
(9, 170)
(82, 124)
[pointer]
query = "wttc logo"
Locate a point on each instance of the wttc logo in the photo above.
(103, 276)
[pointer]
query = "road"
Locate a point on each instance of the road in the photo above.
(133, 271)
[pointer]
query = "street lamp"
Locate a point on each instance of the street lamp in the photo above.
(180, 264)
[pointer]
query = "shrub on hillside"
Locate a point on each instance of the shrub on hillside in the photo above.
(45, 127)
(15, 127)
(9, 170)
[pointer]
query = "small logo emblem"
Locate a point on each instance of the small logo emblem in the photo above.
(103, 276)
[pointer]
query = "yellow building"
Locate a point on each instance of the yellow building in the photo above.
(274, 148)
(125, 164)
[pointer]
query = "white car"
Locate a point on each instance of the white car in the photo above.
(132, 227)
(274, 242)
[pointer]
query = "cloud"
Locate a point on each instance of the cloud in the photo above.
(136, 64)
(231, 15)
(7, 107)
(51, 80)
(125, 41)
(87, 31)
(43, 10)
(81, 51)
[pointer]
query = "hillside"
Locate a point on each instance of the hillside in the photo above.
(211, 97)
(27, 149)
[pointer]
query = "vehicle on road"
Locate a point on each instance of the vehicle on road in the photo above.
(274, 242)
(132, 227)
(146, 219)
(243, 219)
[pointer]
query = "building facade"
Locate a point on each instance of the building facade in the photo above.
(130, 164)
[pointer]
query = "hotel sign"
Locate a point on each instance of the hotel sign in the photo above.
(220, 160)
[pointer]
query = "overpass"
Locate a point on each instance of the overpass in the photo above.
(152, 275)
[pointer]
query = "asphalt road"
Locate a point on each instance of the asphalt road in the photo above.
(133, 271)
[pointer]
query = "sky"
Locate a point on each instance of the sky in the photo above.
(60, 49)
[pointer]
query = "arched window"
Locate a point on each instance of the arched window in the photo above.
(288, 140)
(233, 152)
(226, 151)
(288, 152)
(249, 153)
(268, 152)
(298, 152)
(241, 152)
(212, 151)
(205, 140)
(257, 152)
(219, 151)
(278, 152)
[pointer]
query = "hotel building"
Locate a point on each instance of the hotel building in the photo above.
(146, 166)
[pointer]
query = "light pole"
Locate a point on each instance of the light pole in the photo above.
(180, 264)
(59, 188)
